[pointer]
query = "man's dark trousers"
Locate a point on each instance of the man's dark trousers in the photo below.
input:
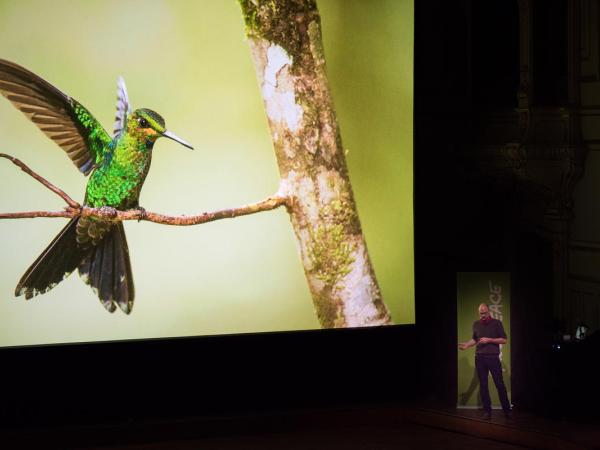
(491, 363)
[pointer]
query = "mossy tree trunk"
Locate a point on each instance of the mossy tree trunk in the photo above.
(286, 46)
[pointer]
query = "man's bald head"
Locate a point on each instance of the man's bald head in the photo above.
(484, 310)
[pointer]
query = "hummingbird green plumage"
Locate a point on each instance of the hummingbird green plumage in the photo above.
(118, 166)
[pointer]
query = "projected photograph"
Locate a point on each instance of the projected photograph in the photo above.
(201, 168)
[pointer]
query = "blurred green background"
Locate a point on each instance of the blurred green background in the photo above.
(190, 62)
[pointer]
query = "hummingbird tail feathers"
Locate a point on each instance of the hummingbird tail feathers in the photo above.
(105, 267)
(54, 264)
(107, 270)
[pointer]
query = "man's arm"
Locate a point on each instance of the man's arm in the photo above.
(485, 340)
(466, 345)
(501, 339)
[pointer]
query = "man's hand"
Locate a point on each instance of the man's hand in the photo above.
(466, 345)
(485, 340)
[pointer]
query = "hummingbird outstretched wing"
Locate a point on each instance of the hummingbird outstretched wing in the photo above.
(123, 108)
(61, 118)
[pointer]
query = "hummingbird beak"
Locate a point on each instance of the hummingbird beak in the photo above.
(170, 135)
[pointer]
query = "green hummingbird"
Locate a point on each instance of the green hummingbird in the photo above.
(118, 166)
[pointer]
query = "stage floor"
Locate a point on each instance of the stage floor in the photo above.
(365, 427)
(523, 428)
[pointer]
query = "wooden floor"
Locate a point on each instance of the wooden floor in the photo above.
(407, 436)
(523, 429)
(374, 427)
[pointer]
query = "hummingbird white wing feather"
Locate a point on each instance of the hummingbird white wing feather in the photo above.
(123, 108)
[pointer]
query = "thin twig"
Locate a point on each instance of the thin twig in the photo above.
(268, 204)
(67, 212)
(75, 209)
(107, 213)
(62, 194)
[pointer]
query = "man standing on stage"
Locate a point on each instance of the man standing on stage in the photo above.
(488, 334)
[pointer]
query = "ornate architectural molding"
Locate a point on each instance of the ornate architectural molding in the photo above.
(535, 151)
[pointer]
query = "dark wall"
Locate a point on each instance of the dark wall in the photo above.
(124, 382)
(466, 64)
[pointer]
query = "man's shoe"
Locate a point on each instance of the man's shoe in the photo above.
(486, 416)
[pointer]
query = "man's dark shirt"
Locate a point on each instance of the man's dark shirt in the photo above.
(492, 329)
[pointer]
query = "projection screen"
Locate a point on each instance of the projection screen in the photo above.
(191, 62)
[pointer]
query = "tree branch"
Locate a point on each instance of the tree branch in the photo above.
(287, 51)
(107, 213)
(62, 194)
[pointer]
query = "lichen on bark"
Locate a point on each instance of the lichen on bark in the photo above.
(282, 23)
(286, 45)
(329, 253)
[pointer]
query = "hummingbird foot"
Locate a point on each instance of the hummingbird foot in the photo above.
(108, 212)
(142, 213)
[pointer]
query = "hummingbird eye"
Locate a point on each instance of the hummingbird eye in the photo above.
(143, 122)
